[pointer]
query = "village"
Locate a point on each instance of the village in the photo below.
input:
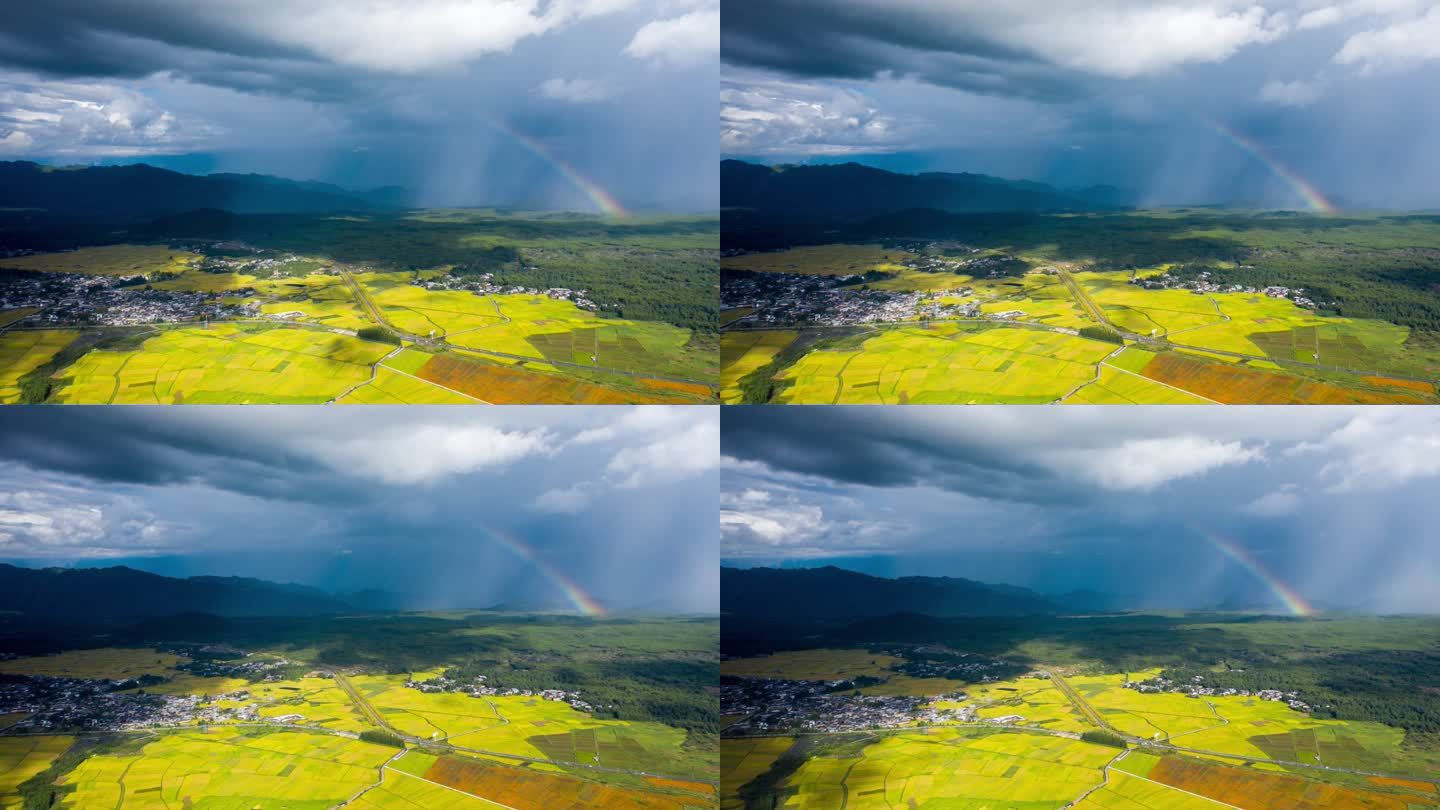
(67, 299)
(479, 687)
(1196, 688)
(484, 284)
(1201, 285)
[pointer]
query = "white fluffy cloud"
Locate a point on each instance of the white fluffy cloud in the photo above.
(669, 452)
(1378, 450)
(788, 117)
(566, 501)
(689, 39)
(55, 520)
(1292, 94)
(1145, 464)
(576, 91)
(1281, 502)
(427, 453)
(1125, 39)
(93, 119)
(1400, 45)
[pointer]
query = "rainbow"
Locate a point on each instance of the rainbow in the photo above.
(601, 198)
(576, 595)
(1293, 601)
(1307, 192)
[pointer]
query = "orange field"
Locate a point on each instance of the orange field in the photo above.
(1235, 385)
(1249, 788)
(521, 788)
(1391, 382)
(502, 385)
(677, 784)
(1411, 784)
(692, 389)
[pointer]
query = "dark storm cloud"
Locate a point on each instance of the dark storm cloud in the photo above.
(807, 39)
(1333, 501)
(1123, 92)
(388, 92)
(621, 500)
(849, 445)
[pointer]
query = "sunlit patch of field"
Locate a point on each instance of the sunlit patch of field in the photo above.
(228, 768)
(1251, 727)
(224, 364)
(743, 352)
(22, 758)
(434, 715)
(1114, 386)
(318, 700)
(1034, 699)
(812, 665)
(531, 727)
(822, 260)
(21, 352)
(111, 260)
(540, 327)
(109, 663)
(393, 388)
(1146, 715)
(1150, 312)
(946, 363)
(961, 768)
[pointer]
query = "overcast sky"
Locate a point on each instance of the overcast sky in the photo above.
(377, 92)
(1337, 503)
(620, 500)
(1130, 92)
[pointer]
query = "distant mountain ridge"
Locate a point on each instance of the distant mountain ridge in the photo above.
(832, 593)
(140, 191)
(856, 191)
(126, 593)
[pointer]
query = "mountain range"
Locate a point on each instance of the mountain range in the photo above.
(851, 191)
(141, 191)
(831, 593)
(120, 592)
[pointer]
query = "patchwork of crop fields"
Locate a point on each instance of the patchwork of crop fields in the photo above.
(522, 787)
(228, 767)
(21, 352)
(954, 767)
(303, 346)
(22, 758)
(945, 363)
(1353, 360)
(1036, 759)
